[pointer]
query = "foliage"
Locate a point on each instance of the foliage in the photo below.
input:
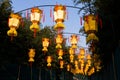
(87, 6)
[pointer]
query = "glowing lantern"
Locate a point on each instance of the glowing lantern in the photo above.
(81, 55)
(61, 64)
(60, 54)
(49, 60)
(59, 40)
(31, 55)
(71, 52)
(86, 69)
(36, 15)
(88, 59)
(76, 67)
(90, 26)
(76, 64)
(45, 43)
(59, 17)
(97, 65)
(13, 23)
(68, 67)
(74, 41)
(92, 70)
(71, 58)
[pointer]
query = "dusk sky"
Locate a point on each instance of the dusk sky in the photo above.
(72, 23)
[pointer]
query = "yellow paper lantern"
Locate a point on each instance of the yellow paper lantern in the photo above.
(81, 54)
(74, 41)
(59, 16)
(13, 23)
(59, 40)
(49, 60)
(60, 54)
(71, 58)
(68, 67)
(61, 64)
(31, 55)
(45, 43)
(35, 17)
(90, 24)
(71, 51)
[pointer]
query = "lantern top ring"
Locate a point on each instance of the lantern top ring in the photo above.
(36, 9)
(59, 7)
(15, 15)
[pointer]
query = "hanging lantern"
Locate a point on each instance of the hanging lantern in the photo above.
(49, 60)
(61, 64)
(36, 15)
(59, 17)
(81, 55)
(90, 24)
(59, 40)
(71, 51)
(76, 64)
(91, 71)
(89, 59)
(97, 65)
(86, 69)
(13, 23)
(60, 54)
(45, 43)
(74, 41)
(68, 67)
(90, 27)
(31, 55)
(77, 70)
(71, 58)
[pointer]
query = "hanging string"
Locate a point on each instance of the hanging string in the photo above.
(18, 78)
(101, 23)
(40, 74)
(22, 23)
(27, 14)
(31, 72)
(43, 16)
(51, 12)
(80, 20)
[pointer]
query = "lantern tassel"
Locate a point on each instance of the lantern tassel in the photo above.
(27, 14)
(43, 17)
(22, 23)
(34, 33)
(97, 18)
(101, 23)
(11, 38)
(81, 20)
(51, 12)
